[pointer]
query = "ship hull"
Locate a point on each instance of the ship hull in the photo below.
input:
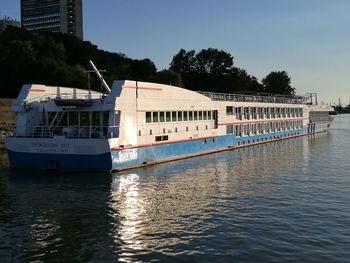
(99, 155)
(60, 154)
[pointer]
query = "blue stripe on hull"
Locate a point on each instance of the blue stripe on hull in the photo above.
(60, 161)
(135, 157)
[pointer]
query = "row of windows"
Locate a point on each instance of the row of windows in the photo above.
(165, 138)
(263, 112)
(187, 129)
(259, 128)
(176, 116)
(56, 25)
(36, 17)
(95, 118)
(45, 21)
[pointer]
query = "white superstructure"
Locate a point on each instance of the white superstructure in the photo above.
(140, 123)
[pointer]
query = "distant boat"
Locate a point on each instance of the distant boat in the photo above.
(137, 124)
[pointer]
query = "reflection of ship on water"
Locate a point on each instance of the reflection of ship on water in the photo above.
(4, 162)
(53, 216)
(155, 211)
(160, 210)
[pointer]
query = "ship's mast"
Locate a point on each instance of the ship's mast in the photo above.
(104, 84)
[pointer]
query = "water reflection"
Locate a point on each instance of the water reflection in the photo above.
(166, 208)
(180, 208)
(129, 209)
(4, 162)
(264, 200)
(53, 215)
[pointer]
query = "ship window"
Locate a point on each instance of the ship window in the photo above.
(65, 119)
(204, 115)
(196, 128)
(163, 130)
(139, 132)
(148, 117)
(229, 110)
(161, 138)
(150, 132)
(155, 116)
(195, 115)
(96, 118)
(175, 129)
(229, 129)
(84, 119)
(105, 118)
(190, 116)
(209, 115)
(161, 116)
(200, 116)
(173, 115)
(185, 115)
(206, 127)
(179, 115)
(74, 118)
(167, 116)
(187, 129)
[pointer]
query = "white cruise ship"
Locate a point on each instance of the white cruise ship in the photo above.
(136, 124)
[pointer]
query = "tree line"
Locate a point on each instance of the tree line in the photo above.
(61, 60)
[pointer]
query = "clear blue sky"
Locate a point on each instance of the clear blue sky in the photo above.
(310, 39)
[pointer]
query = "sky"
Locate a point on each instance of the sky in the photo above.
(310, 39)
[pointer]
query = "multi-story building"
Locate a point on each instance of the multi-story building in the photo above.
(6, 21)
(63, 16)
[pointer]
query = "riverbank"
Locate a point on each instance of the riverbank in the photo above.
(7, 119)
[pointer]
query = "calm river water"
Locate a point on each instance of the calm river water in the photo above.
(287, 201)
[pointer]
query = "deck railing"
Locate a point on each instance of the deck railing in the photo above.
(84, 95)
(253, 98)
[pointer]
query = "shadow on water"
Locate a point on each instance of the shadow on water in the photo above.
(262, 203)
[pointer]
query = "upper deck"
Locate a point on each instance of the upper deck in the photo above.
(254, 98)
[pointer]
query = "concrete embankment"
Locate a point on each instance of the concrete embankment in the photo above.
(7, 119)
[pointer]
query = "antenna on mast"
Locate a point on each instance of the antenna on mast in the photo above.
(104, 84)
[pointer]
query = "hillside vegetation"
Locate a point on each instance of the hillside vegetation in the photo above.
(61, 60)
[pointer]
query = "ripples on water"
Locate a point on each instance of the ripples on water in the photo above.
(282, 202)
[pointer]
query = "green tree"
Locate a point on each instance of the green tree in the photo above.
(168, 77)
(60, 60)
(183, 62)
(15, 58)
(214, 61)
(278, 82)
(143, 69)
